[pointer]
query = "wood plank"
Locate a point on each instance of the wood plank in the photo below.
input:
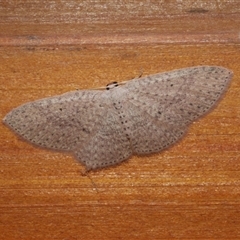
(189, 191)
(183, 191)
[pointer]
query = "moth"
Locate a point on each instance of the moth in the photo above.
(141, 116)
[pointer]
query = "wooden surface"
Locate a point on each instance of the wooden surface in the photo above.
(190, 191)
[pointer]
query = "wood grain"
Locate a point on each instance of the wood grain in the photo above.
(190, 191)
